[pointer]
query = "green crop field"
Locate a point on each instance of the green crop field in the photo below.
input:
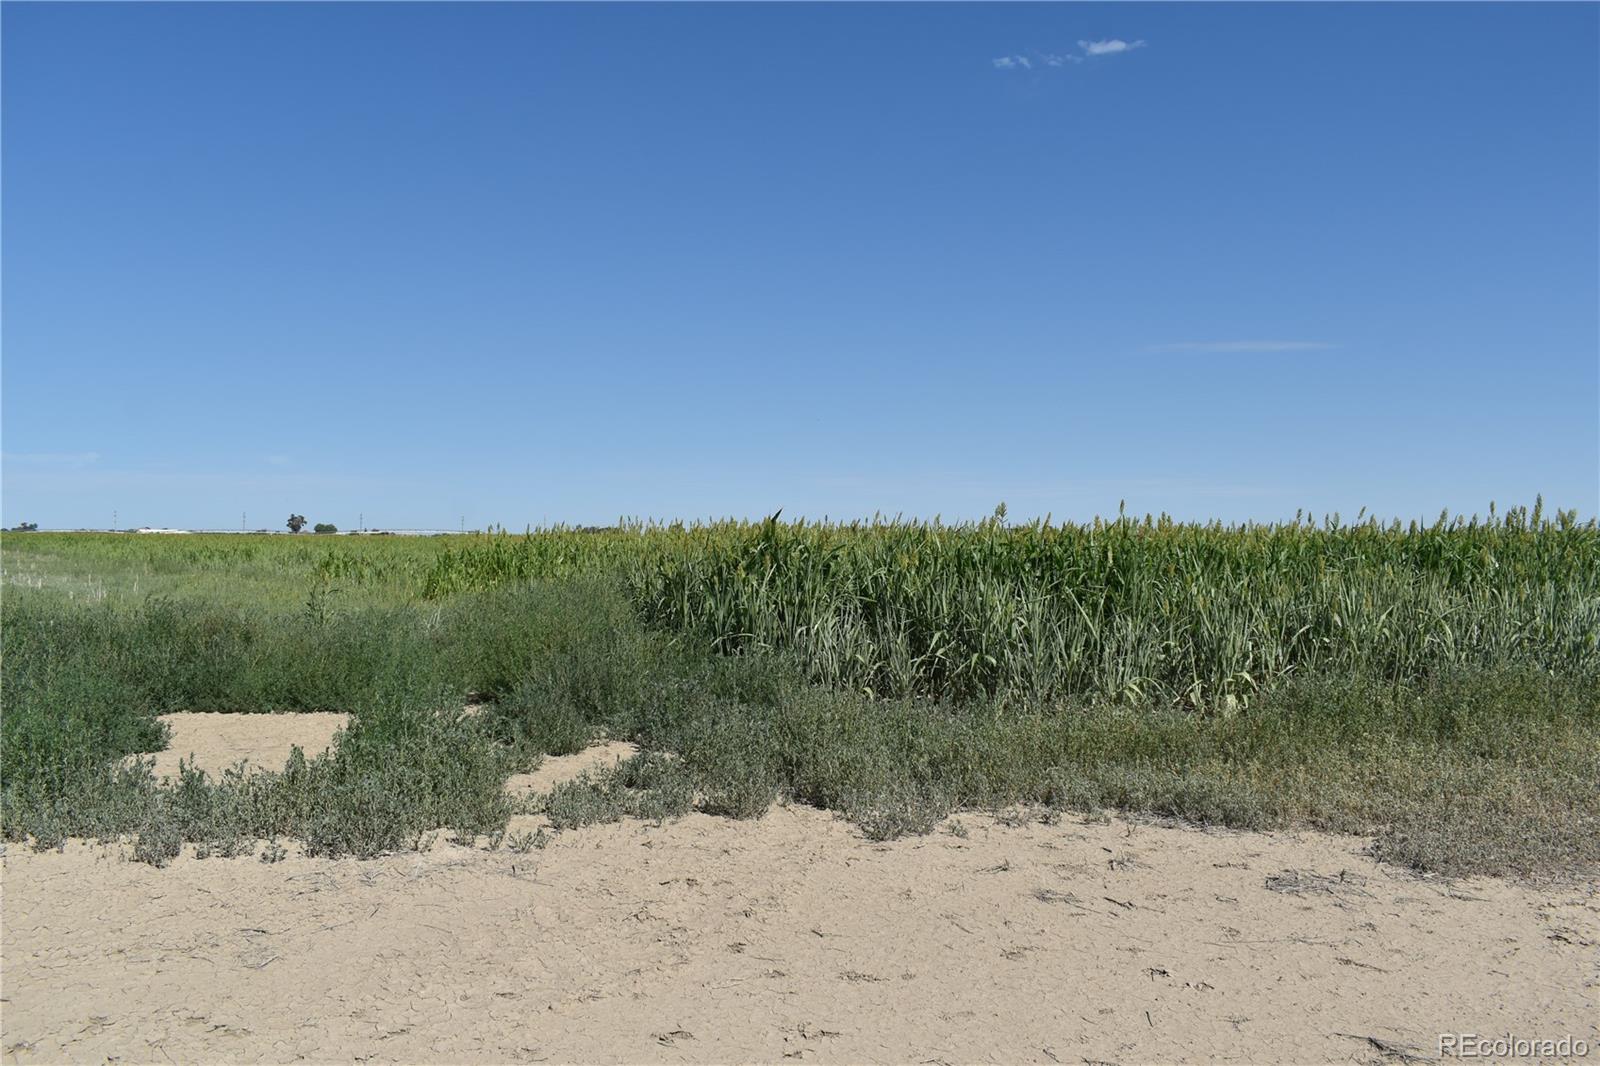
(1435, 687)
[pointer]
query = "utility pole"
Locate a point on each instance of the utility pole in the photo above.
(361, 520)
(243, 521)
(113, 521)
(463, 523)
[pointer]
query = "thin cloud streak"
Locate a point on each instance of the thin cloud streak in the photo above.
(1090, 49)
(61, 482)
(51, 459)
(1115, 46)
(1242, 346)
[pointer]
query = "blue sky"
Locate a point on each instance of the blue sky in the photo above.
(528, 264)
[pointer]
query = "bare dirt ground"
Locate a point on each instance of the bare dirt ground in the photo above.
(217, 742)
(559, 769)
(790, 938)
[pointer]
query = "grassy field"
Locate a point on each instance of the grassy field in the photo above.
(1436, 687)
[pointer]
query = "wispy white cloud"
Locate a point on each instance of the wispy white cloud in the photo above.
(277, 460)
(1242, 346)
(1109, 47)
(240, 483)
(51, 459)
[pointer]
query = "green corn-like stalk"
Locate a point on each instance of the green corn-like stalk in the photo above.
(1150, 609)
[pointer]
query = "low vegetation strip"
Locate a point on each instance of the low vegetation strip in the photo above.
(1437, 688)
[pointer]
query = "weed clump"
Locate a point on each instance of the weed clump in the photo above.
(649, 785)
(158, 843)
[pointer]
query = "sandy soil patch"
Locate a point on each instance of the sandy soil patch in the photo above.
(217, 742)
(557, 769)
(789, 939)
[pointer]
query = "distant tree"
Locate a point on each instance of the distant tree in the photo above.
(297, 522)
(25, 527)
(324, 527)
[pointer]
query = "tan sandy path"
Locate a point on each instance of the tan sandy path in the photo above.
(787, 939)
(217, 742)
(554, 770)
